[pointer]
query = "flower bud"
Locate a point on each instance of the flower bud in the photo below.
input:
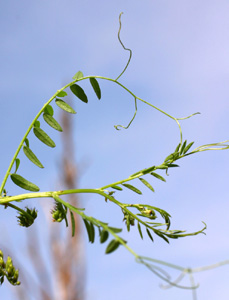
(8, 262)
(10, 270)
(16, 274)
(2, 262)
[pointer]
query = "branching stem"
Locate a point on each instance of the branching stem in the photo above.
(54, 96)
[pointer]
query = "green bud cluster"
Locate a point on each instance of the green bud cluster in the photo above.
(128, 219)
(26, 218)
(149, 213)
(58, 216)
(58, 213)
(8, 270)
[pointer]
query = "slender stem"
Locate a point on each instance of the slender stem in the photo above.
(120, 26)
(26, 134)
(210, 267)
(120, 182)
(192, 281)
(123, 206)
(140, 99)
(63, 88)
(8, 199)
(125, 88)
(55, 196)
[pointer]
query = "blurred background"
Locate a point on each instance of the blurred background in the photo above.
(180, 64)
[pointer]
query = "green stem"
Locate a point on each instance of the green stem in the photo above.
(26, 134)
(120, 26)
(55, 195)
(79, 212)
(120, 182)
(63, 88)
(140, 99)
(9, 199)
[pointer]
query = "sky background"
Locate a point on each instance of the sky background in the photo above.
(181, 65)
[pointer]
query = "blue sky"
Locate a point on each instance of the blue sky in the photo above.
(180, 64)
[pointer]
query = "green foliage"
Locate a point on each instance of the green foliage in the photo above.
(43, 137)
(62, 94)
(26, 142)
(73, 223)
(132, 188)
(49, 110)
(17, 161)
(112, 246)
(63, 105)
(79, 92)
(90, 230)
(52, 122)
(78, 75)
(32, 157)
(24, 183)
(103, 236)
(158, 176)
(144, 215)
(96, 87)
(146, 183)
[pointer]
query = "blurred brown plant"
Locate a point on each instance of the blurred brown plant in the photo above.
(63, 277)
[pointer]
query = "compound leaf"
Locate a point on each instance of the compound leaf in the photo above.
(132, 188)
(43, 137)
(66, 107)
(52, 122)
(96, 87)
(32, 157)
(79, 92)
(23, 183)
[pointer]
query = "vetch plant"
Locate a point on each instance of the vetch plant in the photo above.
(148, 219)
